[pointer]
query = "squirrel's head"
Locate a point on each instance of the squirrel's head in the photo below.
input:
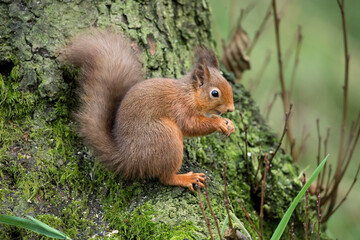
(213, 93)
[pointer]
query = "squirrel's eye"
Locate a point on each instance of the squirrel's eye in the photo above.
(215, 93)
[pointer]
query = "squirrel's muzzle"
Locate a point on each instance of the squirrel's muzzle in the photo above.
(231, 108)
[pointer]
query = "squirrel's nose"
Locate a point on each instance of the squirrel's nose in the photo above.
(230, 109)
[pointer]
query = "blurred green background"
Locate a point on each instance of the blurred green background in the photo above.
(318, 83)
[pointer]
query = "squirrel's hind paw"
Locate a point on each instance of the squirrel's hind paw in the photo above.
(185, 180)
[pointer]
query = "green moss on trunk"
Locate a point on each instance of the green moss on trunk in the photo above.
(46, 171)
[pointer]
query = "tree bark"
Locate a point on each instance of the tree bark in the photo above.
(47, 172)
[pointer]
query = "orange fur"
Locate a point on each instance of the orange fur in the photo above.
(135, 125)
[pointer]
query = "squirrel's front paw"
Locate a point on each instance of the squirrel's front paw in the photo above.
(230, 125)
(225, 126)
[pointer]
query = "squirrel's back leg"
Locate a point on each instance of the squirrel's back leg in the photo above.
(175, 154)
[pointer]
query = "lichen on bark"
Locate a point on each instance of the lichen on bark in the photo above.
(46, 171)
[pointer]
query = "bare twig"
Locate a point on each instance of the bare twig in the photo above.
(202, 209)
(338, 179)
(260, 30)
(291, 232)
(287, 115)
(346, 84)
(267, 164)
(326, 141)
(325, 153)
(254, 83)
(206, 193)
(312, 230)
(227, 201)
(269, 106)
(281, 77)
(264, 24)
(225, 60)
(305, 136)
(256, 186)
(306, 224)
(285, 130)
(245, 11)
(341, 159)
(346, 195)
(318, 214)
(248, 217)
(296, 63)
(354, 126)
(352, 149)
(232, 17)
(327, 184)
(246, 144)
(317, 189)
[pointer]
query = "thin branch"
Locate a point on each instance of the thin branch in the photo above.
(260, 30)
(267, 164)
(232, 17)
(326, 141)
(274, 85)
(317, 189)
(296, 63)
(246, 144)
(202, 209)
(285, 130)
(287, 115)
(350, 139)
(338, 179)
(256, 187)
(325, 153)
(281, 77)
(270, 106)
(226, 61)
(327, 184)
(305, 136)
(341, 159)
(346, 81)
(248, 217)
(245, 11)
(206, 193)
(352, 149)
(306, 224)
(227, 200)
(278, 44)
(318, 214)
(312, 230)
(346, 195)
(264, 25)
(254, 83)
(291, 231)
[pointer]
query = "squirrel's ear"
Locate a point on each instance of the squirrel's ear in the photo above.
(204, 54)
(201, 74)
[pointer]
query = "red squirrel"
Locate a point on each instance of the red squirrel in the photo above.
(136, 126)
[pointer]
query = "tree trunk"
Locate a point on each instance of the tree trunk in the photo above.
(47, 172)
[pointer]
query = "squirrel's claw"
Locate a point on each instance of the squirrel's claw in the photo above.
(226, 127)
(185, 180)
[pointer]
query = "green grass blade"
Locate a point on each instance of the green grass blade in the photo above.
(223, 228)
(237, 222)
(33, 225)
(241, 226)
(284, 221)
(46, 227)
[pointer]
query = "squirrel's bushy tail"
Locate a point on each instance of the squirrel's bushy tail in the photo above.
(109, 68)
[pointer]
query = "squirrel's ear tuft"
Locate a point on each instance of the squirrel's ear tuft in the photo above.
(201, 74)
(205, 54)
